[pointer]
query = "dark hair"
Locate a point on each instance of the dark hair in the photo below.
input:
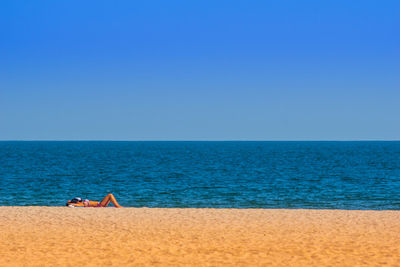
(75, 200)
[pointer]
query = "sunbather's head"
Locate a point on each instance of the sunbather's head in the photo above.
(75, 200)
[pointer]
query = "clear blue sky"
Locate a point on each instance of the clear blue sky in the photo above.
(200, 70)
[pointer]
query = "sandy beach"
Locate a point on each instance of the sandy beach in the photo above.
(58, 236)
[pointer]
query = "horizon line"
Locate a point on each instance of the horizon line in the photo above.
(200, 140)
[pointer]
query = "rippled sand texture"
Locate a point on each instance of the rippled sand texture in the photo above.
(58, 236)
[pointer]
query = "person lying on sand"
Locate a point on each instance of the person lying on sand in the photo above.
(78, 202)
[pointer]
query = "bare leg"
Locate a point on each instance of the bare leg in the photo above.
(109, 198)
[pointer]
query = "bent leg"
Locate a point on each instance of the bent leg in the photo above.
(109, 198)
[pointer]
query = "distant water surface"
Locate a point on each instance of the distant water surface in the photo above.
(321, 175)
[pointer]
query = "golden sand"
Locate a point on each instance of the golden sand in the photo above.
(58, 236)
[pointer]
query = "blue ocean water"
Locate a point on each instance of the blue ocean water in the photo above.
(321, 175)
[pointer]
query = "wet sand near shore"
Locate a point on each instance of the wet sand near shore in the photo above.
(60, 236)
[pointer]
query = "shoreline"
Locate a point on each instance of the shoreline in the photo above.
(38, 235)
(206, 208)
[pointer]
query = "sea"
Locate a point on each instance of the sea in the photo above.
(356, 175)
